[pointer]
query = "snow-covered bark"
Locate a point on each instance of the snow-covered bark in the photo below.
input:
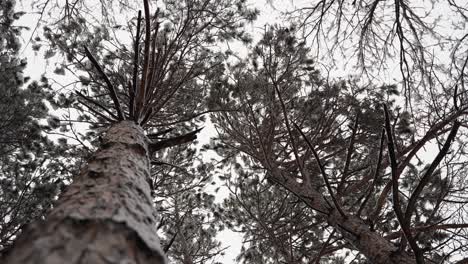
(105, 216)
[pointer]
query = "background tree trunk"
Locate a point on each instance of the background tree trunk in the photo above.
(105, 216)
(377, 249)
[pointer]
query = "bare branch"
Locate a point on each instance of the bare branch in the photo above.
(96, 112)
(97, 104)
(412, 149)
(158, 134)
(396, 195)
(348, 156)
(113, 93)
(427, 175)
(324, 246)
(376, 173)
(168, 246)
(430, 228)
(135, 66)
(322, 170)
(147, 117)
(153, 62)
(174, 141)
(141, 91)
(293, 142)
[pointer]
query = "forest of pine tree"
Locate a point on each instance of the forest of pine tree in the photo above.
(160, 131)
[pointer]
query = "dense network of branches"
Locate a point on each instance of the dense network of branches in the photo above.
(368, 168)
(155, 79)
(335, 147)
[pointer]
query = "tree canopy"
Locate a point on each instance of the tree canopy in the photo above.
(307, 167)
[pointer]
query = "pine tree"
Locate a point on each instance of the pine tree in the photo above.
(107, 213)
(324, 144)
(31, 174)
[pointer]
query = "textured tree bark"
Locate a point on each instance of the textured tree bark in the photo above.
(106, 214)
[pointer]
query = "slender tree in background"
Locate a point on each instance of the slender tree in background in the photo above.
(107, 213)
(326, 144)
(32, 168)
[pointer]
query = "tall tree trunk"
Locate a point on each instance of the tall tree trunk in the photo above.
(105, 216)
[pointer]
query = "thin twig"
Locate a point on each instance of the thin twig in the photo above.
(324, 246)
(425, 179)
(97, 104)
(305, 177)
(168, 246)
(135, 67)
(396, 198)
(97, 113)
(148, 115)
(429, 228)
(153, 56)
(412, 149)
(322, 170)
(141, 91)
(376, 173)
(348, 156)
(174, 141)
(160, 133)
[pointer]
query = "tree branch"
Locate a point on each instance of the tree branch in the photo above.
(113, 93)
(305, 177)
(135, 67)
(322, 170)
(425, 179)
(168, 246)
(324, 246)
(158, 134)
(97, 104)
(141, 91)
(429, 228)
(412, 149)
(396, 198)
(174, 141)
(97, 113)
(348, 156)
(376, 173)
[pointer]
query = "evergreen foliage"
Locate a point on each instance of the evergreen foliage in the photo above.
(317, 169)
(31, 170)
